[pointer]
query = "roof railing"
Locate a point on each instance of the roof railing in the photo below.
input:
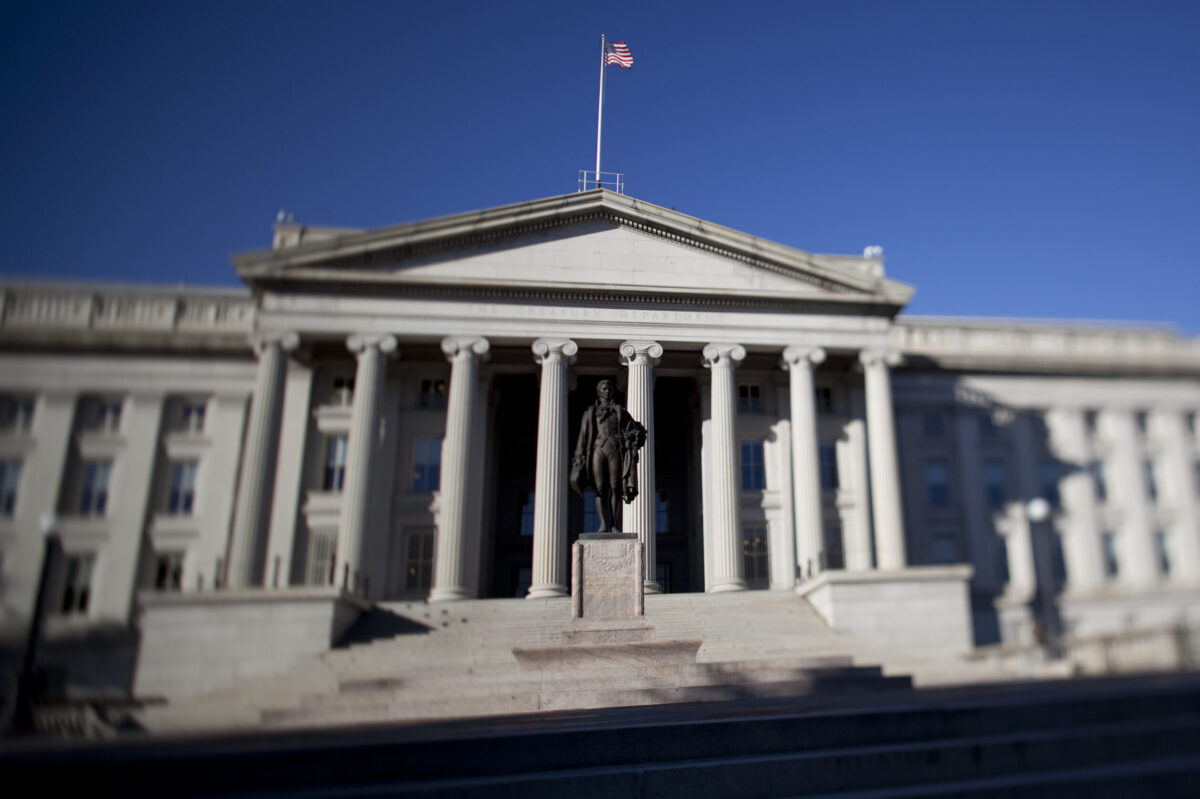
(613, 181)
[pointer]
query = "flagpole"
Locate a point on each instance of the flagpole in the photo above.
(600, 111)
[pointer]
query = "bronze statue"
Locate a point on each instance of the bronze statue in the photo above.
(606, 456)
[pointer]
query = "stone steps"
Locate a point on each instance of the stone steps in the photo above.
(411, 660)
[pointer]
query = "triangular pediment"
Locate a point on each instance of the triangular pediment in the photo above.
(594, 242)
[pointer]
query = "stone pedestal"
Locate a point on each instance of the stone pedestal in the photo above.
(608, 596)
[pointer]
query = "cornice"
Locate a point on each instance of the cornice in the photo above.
(620, 297)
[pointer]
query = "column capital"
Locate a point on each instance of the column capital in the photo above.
(878, 356)
(453, 346)
(286, 340)
(798, 354)
(723, 352)
(549, 349)
(361, 342)
(632, 351)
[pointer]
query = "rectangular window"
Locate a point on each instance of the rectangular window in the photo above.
(182, 492)
(1091, 422)
(662, 516)
(1098, 480)
(753, 474)
(995, 489)
(937, 484)
(419, 566)
(93, 493)
(322, 554)
(1190, 420)
(749, 398)
(1162, 548)
(427, 465)
(1150, 478)
(334, 476)
(526, 524)
(10, 478)
(933, 424)
(1141, 418)
(16, 413)
(343, 391)
(192, 416)
(433, 393)
(754, 556)
(101, 414)
(1048, 482)
(827, 463)
(77, 584)
(825, 399)
(1108, 543)
(168, 571)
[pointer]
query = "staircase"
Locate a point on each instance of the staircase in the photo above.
(414, 661)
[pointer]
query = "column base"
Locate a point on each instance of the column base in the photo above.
(728, 585)
(449, 594)
(547, 591)
(651, 587)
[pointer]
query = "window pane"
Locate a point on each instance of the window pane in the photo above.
(748, 398)
(182, 491)
(1048, 481)
(661, 507)
(937, 484)
(1112, 566)
(995, 484)
(427, 464)
(753, 477)
(754, 556)
(1098, 480)
(1162, 547)
(828, 466)
(335, 464)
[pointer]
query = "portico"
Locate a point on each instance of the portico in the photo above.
(587, 286)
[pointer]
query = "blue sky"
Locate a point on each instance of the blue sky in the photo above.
(1028, 159)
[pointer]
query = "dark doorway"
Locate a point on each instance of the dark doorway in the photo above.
(513, 469)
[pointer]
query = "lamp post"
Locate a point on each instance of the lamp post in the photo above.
(1038, 511)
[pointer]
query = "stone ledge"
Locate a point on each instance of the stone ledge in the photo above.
(926, 607)
(646, 653)
(149, 599)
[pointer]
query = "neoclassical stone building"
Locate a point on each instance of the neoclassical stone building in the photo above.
(389, 414)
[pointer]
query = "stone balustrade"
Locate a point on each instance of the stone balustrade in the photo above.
(1047, 342)
(43, 310)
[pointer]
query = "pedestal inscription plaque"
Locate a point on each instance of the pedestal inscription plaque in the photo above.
(606, 577)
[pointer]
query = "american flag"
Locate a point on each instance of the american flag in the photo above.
(618, 53)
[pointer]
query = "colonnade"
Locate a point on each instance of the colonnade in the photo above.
(451, 578)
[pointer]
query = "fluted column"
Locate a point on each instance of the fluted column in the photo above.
(450, 579)
(641, 357)
(549, 576)
(372, 352)
(806, 471)
(881, 452)
(724, 485)
(257, 481)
